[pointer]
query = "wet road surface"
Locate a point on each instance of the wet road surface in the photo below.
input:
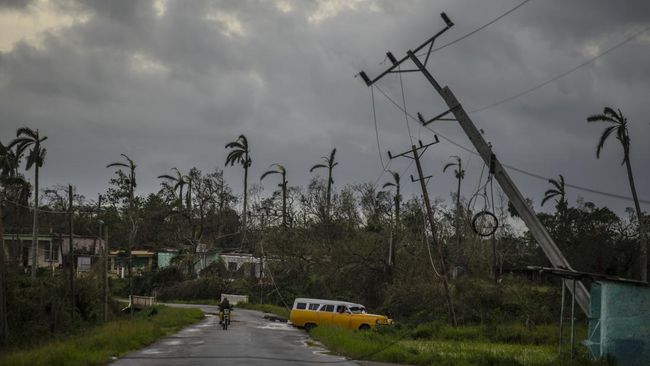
(250, 340)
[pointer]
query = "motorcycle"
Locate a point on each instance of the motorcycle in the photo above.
(225, 319)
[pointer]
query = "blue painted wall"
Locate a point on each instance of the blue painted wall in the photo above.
(619, 325)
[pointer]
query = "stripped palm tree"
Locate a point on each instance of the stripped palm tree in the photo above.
(617, 123)
(330, 163)
(26, 138)
(178, 183)
(460, 175)
(130, 180)
(558, 190)
(397, 200)
(240, 154)
(279, 169)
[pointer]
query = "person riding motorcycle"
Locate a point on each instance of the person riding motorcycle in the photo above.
(225, 304)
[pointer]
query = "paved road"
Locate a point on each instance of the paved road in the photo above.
(250, 340)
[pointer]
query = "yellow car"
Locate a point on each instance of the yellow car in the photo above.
(309, 313)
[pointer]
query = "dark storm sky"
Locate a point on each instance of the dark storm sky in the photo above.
(169, 83)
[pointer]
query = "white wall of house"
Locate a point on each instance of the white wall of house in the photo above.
(234, 261)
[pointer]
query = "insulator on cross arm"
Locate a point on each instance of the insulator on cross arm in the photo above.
(447, 20)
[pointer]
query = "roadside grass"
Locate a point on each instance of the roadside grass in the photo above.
(267, 308)
(99, 344)
(437, 344)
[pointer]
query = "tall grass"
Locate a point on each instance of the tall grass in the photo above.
(99, 344)
(438, 344)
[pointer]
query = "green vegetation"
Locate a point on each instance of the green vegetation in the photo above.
(437, 344)
(362, 242)
(97, 345)
(267, 308)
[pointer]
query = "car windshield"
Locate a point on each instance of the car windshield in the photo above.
(357, 309)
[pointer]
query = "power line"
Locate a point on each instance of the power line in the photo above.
(561, 75)
(477, 29)
(519, 170)
(48, 211)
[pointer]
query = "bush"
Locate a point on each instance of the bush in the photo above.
(481, 301)
(42, 308)
(203, 288)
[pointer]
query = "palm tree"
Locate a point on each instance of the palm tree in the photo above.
(9, 161)
(460, 175)
(279, 169)
(330, 163)
(398, 199)
(178, 183)
(558, 190)
(26, 138)
(618, 123)
(130, 165)
(3, 301)
(240, 154)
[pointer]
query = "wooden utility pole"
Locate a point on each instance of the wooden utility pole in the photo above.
(105, 250)
(527, 214)
(98, 241)
(415, 151)
(70, 251)
(3, 298)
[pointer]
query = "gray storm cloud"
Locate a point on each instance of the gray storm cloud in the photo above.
(171, 82)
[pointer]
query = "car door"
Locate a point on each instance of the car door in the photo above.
(325, 314)
(341, 317)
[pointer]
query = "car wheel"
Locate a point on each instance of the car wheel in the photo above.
(364, 327)
(309, 326)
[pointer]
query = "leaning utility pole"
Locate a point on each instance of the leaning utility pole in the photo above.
(527, 214)
(70, 252)
(425, 194)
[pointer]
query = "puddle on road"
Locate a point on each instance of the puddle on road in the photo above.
(318, 348)
(154, 351)
(276, 326)
(172, 343)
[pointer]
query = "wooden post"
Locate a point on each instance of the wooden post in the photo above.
(443, 267)
(71, 251)
(105, 273)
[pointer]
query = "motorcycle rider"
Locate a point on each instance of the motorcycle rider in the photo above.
(225, 304)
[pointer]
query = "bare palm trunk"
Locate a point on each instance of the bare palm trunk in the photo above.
(284, 203)
(244, 213)
(458, 211)
(329, 192)
(3, 301)
(394, 239)
(131, 239)
(180, 198)
(643, 258)
(35, 226)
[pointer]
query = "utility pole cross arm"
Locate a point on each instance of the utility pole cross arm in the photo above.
(396, 63)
